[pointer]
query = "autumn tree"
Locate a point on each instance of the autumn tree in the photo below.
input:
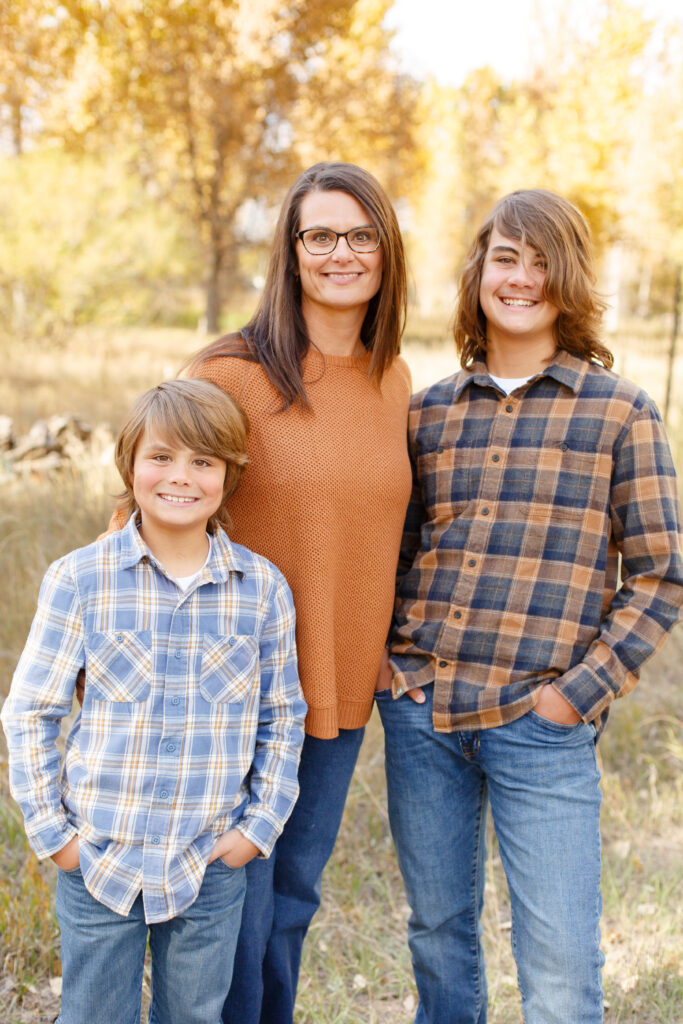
(222, 100)
(38, 43)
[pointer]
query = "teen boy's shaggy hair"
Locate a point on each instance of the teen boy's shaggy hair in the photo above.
(555, 228)
(194, 413)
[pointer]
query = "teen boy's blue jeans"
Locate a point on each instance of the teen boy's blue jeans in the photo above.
(283, 892)
(542, 782)
(103, 954)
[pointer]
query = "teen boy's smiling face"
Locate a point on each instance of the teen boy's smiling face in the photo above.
(176, 488)
(511, 293)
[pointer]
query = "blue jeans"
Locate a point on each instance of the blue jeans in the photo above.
(283, 892)
(103, 954)
(542, 782)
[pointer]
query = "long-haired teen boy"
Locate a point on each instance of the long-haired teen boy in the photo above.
(536, 467)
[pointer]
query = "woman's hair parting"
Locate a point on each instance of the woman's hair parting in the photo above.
(276, 335)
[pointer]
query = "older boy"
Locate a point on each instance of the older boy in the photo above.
(181, 766)
(535, 468)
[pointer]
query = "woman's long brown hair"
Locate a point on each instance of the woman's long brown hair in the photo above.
(276, 335)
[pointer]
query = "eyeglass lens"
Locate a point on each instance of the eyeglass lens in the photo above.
(319, 241)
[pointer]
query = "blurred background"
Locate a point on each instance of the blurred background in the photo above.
(145, 148)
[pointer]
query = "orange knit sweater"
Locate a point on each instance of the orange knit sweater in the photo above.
(324, 497)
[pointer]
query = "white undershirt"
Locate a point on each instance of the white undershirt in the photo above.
(185, 582)
(510, 384)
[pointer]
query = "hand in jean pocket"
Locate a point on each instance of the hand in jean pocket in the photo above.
(553, 706)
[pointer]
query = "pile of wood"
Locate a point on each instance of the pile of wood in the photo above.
(52, 445)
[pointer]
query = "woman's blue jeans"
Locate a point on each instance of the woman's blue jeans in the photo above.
(103, 954)
(542, 782)
(283, 892)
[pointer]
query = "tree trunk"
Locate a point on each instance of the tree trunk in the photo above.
(213, 289)
(17, 128)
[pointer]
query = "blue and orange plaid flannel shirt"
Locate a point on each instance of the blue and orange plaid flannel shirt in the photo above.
(542, 543)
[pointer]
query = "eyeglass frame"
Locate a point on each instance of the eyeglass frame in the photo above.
(340, 234)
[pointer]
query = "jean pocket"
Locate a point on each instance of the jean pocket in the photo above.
(556, 727)
(118, 666)
(386, 694)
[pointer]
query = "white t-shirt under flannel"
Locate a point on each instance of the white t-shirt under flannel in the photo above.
(185, 693)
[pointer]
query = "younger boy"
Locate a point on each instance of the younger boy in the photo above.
(181, 766)
(535, 468)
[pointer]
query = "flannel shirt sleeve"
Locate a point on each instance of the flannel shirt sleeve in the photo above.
(645, 522)
(415, 516)
(273, 780)
(41, 695)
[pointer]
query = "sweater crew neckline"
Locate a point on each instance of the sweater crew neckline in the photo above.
(314, 355)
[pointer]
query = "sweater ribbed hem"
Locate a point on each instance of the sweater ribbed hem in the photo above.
(325, 723)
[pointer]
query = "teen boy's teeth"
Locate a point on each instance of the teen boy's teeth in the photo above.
(518, 302)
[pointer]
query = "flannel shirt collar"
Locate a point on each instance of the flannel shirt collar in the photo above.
(566, 368)
(223, 557)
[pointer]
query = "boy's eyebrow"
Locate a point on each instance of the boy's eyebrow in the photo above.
(511, 248)
(164, 446)
(155, 443)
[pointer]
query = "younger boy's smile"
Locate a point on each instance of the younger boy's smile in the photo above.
(175, 487)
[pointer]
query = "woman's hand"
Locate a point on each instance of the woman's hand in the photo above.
(553, 706)
(67, 857)
(234, 848)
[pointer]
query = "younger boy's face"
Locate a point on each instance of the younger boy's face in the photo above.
(511, 293)
(176, 488)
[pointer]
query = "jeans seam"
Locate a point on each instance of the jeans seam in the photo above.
(478, 866)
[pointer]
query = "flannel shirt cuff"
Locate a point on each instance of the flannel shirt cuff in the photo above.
(261, 830)
(585, 691)
(50, 837)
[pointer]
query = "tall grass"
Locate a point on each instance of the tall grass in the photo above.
(356, 967)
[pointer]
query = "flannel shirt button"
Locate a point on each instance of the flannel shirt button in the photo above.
(443, 664)
(155, 840)
(232, 640)
(164, 794)
(484, 511)
(564, 446)
(171, 747)
(439, 449)
(175, 700)
(495, 458)
(178, 654)
(509, 408)
(472, 562)
(457, 615)
(119, 638)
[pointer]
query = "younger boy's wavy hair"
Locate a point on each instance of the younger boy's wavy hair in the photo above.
(554, 227)
(194, 413)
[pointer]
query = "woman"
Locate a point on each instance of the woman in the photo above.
(324, 498)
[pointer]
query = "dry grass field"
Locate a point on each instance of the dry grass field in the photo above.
(356, 967)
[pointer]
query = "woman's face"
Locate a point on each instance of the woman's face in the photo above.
(342, 279)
